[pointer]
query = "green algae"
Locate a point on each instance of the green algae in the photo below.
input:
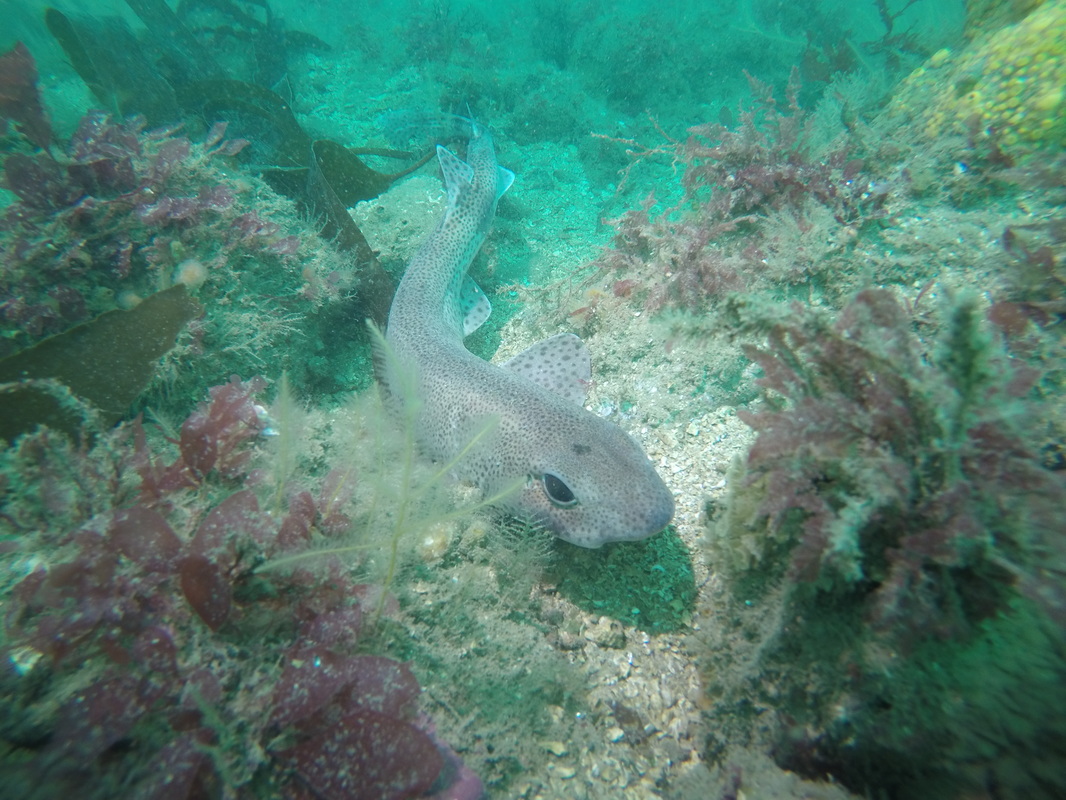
(649, 584)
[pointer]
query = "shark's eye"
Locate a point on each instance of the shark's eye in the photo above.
(558, 492)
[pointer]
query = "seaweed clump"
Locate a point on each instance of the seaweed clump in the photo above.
(762, 201)
(146, 656)
(120, 212)
(894, 492)
(170, 74)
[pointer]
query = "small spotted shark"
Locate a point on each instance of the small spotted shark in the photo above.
(517, 430)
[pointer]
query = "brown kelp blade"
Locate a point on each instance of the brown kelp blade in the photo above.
(170, 34)
(108, 57)
(320, 201)
(351, 178)
(106, 362)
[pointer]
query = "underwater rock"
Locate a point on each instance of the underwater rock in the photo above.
(324, 177)
(1009, 81)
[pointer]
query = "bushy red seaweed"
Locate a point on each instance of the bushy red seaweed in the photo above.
(765, 163)
(738, 183)
(900, 473)
(194, 674)
(212, 438)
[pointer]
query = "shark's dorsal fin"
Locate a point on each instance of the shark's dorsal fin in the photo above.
(474, 306)
(561, 364)
(457, 173)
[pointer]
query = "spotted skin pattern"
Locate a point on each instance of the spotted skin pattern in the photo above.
(577, 474)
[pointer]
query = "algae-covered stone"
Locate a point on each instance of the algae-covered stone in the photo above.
(606, 633)
(1009, 79)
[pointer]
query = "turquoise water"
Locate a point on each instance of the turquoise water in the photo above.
(816, 252)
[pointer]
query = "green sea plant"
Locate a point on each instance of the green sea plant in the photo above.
(406, 496)
(649, 584)
(285, 425)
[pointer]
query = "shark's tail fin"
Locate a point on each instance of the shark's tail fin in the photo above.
(424, 128)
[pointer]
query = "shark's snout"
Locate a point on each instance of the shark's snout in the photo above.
(660, 513)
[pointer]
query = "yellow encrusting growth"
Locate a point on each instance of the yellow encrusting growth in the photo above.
(1009, 79)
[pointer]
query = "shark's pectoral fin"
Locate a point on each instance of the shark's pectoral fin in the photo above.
(474, 306)
(561, 364)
